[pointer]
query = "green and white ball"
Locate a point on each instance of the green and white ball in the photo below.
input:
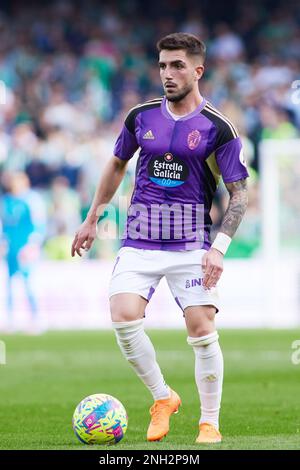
(100, 419)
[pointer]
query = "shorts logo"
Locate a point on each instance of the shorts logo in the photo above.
(193, 139)
(193, 282)
(168, 170)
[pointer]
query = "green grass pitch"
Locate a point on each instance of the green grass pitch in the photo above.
(46, 376)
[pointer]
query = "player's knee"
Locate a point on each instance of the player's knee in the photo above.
(201, 331)
(123, 315)
(121, 312)
(125, 309)
(203, 340)
(200, 320)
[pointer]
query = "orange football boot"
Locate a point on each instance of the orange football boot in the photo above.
(160, 416)
(208, 434)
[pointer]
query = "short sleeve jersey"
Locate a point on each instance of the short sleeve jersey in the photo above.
(178, 170)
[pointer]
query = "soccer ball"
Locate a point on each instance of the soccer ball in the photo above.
(100, 419)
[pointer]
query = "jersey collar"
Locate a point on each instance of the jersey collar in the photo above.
(183, 118)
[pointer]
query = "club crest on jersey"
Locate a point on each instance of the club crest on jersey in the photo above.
(193, 139)
(168, 170)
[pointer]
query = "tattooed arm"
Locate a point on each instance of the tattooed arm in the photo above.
(212, 262)
(236, 208)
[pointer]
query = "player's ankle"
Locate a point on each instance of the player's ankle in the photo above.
(163, 394)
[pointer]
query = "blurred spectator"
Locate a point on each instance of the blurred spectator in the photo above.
(64, 207)
(57, 248)
(276, 123)
(226, 46)
(23, 230)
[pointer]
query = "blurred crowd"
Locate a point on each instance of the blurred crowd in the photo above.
(72, 70)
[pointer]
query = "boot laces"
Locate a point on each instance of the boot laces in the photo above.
(156, 411)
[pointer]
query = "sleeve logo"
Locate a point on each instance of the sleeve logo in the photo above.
(242, 158)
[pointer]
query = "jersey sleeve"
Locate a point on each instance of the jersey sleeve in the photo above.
(126, 144)
(229, 157)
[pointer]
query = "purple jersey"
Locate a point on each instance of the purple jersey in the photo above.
(178, 170)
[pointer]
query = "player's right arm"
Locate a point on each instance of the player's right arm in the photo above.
(125, 147)
(107, 186)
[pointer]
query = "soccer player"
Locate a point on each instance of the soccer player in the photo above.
(186, 145)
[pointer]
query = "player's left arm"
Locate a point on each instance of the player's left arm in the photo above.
(212, 263)
(238, 201)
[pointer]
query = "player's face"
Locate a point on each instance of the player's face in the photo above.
(179, 73)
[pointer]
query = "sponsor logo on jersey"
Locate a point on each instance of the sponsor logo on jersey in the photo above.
(168, 170)
(193, 139)
(148, 135)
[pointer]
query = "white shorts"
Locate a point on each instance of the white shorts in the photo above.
(139, 271)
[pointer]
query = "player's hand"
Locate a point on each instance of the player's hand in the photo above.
(84, 237)
(212, 267)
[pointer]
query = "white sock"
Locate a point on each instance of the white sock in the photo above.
(139, 351)
(208, 375)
